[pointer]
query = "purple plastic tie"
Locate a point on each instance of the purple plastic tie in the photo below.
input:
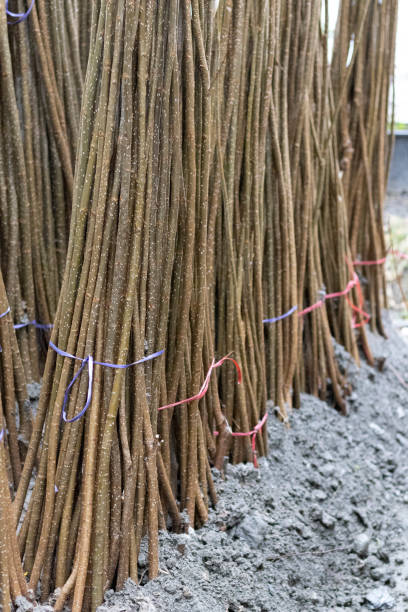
(21, 325)
(3, 314)
(34, 322)
(1, 434)
(287, 314)
(20, 16)
(91, 362)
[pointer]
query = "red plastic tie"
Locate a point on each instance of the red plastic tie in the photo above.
(374, 262)
(377, 262)
(253, 433)
(359, 309)
(330, 296)
(318, 304)
(204, 387)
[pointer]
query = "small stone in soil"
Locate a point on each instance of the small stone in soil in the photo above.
(360, 545)
(327, 520)
(379, 599)
(319, 495)
(187, 594)
(252, 529)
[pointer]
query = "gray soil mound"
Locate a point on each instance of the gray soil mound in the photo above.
(322, 525)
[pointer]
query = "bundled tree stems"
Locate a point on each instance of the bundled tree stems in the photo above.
(41, 88)
(182, 183)
(364, 150)
(15, 430)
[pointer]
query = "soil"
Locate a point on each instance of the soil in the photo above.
(321, 526)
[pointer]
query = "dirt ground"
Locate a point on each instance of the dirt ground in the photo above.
(322, 525)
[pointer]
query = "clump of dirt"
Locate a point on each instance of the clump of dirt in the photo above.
(322, 525)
